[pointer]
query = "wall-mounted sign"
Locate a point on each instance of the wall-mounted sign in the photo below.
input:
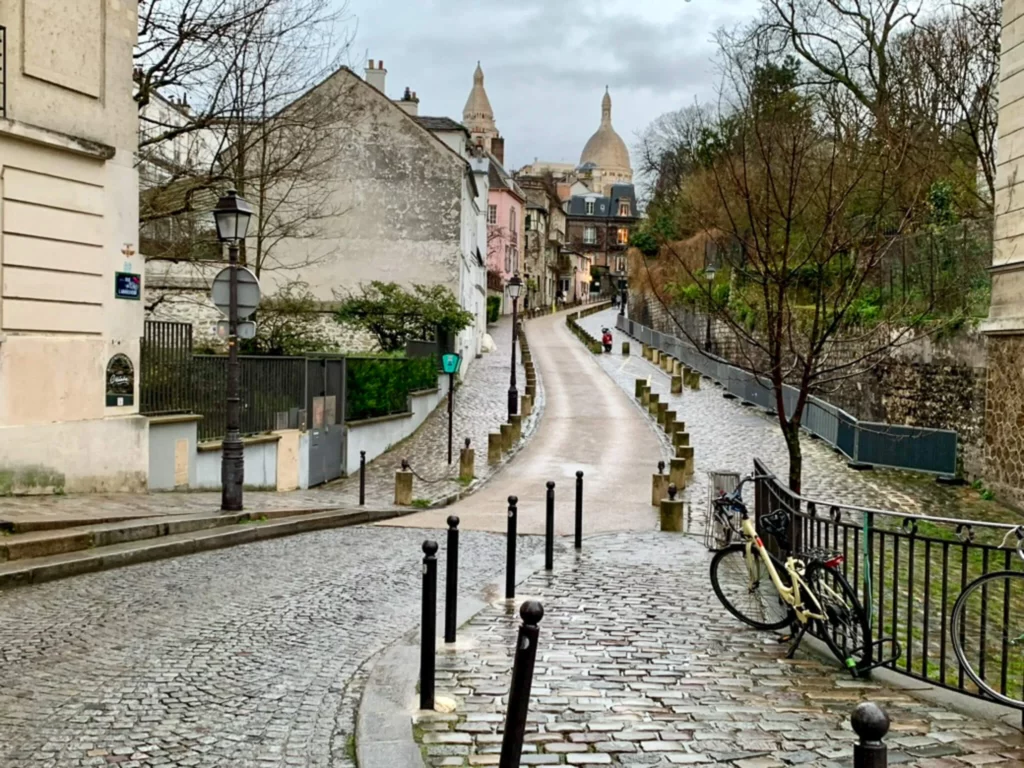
(127, 286)
(120, 381)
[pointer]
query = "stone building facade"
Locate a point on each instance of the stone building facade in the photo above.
(70, 309)
(599, 227)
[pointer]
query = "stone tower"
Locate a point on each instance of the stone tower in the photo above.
(478, 117)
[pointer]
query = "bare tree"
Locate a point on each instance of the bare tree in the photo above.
(801, 214)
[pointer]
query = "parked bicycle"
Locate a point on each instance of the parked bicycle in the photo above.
(807, 592)
(987, 629)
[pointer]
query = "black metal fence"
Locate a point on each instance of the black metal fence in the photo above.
(165, 369)
(909, 571)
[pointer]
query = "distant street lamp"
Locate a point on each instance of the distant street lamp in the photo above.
(232, 214)
(515, 285)
(625, 297)
(709, 272)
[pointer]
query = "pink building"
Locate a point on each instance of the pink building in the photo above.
(505, 230)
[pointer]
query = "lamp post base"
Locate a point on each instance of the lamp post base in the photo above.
(513, 402)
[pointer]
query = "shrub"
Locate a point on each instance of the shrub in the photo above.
(380, 386)
(493, 308)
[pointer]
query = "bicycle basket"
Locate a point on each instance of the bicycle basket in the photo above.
(776, 525)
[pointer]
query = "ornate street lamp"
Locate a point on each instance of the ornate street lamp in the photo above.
(709, 273)
(515, 285)
(625, 297)
(232, 214)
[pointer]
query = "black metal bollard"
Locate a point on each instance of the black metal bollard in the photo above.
(362, 478)
(522, 680)
(429, 625)
(549, 529)
(871, 724)
(579, 509)
(451, 582)
(510, 549)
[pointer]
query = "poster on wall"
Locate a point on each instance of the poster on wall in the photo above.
(120, 381)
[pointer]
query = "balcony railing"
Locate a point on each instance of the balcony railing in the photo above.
(3, 71)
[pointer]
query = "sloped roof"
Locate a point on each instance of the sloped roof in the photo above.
(440, 124)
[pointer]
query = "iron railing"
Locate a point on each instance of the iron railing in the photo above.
(3, 71)
(909, 571)
(165, 369)
(920, 449)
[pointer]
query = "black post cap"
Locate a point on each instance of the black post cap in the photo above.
(453, 521)
(551, 485)
(579, 474)
(870, 722)
(405, 465)
(672, 491)
(467, 442)
(429, 548)
(531, 612)
(363, 454)
(513, 500)
(661, 467)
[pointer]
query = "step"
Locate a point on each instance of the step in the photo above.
(38, 569)
(43, 543)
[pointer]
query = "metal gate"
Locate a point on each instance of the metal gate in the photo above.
(325, 404)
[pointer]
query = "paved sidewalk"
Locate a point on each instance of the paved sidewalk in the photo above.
(639, 664)
(728, 436)
(481, 404)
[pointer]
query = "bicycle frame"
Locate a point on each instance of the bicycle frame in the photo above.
(794, 595)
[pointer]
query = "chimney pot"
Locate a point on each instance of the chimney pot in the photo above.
(380, 64)
(370, 65)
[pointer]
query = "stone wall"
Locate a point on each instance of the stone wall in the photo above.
(1004, 419)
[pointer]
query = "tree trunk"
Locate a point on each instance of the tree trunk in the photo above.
(791, 432)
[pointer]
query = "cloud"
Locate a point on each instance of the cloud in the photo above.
(547, 61)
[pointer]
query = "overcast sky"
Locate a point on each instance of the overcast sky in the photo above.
(547, 62)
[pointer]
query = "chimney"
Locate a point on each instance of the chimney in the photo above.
(410, 102)
(376, 76)
(498, 149)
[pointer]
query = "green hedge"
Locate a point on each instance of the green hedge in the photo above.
(493, 308)
(380, 386)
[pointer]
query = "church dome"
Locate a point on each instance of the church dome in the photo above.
(478, 107)
(606, 149)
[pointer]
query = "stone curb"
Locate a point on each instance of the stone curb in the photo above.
(384, 735)
(35, 571)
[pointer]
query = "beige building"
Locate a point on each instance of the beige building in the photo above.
(69, 344)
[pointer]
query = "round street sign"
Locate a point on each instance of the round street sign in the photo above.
(248, 291)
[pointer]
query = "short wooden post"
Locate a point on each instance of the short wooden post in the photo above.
(506, 438)
(659, 485)
(686, 452)
(638, 387)
(662, 410)
(526, 405)
(645, 397)
(403, 485)
(680, 439)
(467, 460)
(494, 448)
(672, 512)
(677, 384)
(625, 348)
(517, 427)
(669, 424)
(677, 472)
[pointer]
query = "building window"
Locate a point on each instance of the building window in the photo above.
(590, 235)
(529, 222)
(492, 214)
(622, 236)
(590, 207)
(622, 266)
(508, 259)
(624, 209)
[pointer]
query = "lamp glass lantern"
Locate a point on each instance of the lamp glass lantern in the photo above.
(515, 285)
(710, 271)
(232, 214)
(450, 362)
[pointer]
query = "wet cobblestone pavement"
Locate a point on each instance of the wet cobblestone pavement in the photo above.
(251, 656)
(728, 436)
(481, 404)
(638, 664)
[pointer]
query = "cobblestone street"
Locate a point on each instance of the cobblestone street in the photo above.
(639, 664)
(481, 404)
(728, 436)
(244, 657)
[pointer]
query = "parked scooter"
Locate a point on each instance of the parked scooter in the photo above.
(606, 339)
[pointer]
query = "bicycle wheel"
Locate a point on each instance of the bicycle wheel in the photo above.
(847, 632)
(746, 588)
(987, 628)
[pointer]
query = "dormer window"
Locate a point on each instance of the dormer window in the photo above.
(624, 209)
(590, 207)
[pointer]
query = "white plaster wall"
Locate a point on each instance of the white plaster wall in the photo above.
(377, 437)
(260, 467)
(99, 456)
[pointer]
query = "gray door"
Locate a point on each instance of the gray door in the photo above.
(325, 387)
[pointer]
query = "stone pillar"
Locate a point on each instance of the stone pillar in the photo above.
(652, 406)
(638, 387)
(494, 448)
(526, 405)
(686, 452)
(645, 396)
(677, 472)
(506, 438)
(655, 356)
(672, 512)
(677, 368)
(679, 426)
(669, 425)
(403, 486)
(625, 348)
(662, 410)
(677, 384)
